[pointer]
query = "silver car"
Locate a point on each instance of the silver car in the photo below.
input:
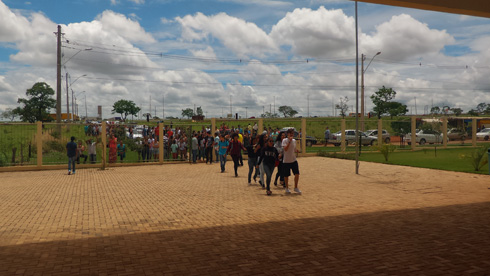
(374, 133)
(483, 135)
(350, 138)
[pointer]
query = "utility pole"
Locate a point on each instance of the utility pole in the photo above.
(163, 107)
(415, 105)
(308, 99)
(246, 113)
(231, 110)
(58, 76)
(68, 117)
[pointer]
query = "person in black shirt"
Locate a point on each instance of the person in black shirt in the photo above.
(268, 157)
(71, 152)
(252, 160)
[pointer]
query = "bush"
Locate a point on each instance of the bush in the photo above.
(478, 158)
(386, 149)
(53, 146)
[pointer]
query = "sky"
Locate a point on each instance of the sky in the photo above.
(245, 57)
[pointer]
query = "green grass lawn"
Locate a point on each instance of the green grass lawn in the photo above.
(451, 159)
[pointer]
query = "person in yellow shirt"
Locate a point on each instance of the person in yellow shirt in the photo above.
(240, 139)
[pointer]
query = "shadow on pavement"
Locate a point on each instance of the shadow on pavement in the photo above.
(449, 240)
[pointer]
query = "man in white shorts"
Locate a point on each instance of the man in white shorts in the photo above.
(289, 161)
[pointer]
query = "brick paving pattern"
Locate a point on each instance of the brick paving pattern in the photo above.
(192, 220)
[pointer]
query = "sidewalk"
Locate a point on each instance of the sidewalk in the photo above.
(193, 220)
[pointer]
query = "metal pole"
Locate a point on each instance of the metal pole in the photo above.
(357, 92)
(58, 77)
(362, 91)
(86, 116)
(67, 99)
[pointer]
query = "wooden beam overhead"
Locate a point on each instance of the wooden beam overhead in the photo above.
(467, 7)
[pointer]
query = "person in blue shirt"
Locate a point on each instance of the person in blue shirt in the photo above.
(71, 152)
(222, 148)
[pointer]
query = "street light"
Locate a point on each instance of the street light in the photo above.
(363, 57)
(68, 93)
(76, 104)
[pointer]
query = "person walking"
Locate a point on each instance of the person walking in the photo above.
(71, 152)
(262, 140)
(234, 149)
(252, 160)
(222, 149)
(209, 148)
(289, 161)
(268, 157)
(326, 136)
(280, 165)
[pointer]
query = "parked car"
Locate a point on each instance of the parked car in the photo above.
(422, 137)
(374, 133)
(350, 138)
(456, 134)
(310, 140)
(483, 135)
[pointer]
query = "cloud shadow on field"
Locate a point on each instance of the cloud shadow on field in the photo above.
(439, 240)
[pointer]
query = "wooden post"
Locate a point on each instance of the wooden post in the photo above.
(473, 132)
(413, 128)
(161, 146)
(213, 130)
(103, 135)
(39, 144)
(261, 126)
(444, 132)
(342, 133)
(303, 135)
(380, 132)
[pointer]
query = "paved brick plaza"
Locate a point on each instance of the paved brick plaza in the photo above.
(192, 220)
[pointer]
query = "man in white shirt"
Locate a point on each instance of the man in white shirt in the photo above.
(289, 161)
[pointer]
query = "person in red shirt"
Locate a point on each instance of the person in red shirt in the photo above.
(235, 149)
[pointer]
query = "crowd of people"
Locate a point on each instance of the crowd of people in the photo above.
(272, 150)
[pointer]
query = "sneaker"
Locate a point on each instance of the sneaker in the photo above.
(73, 172)
(296, 190)
(255, 179)
(249, 183)
(275, 183)
(69, 172)
(288, 191)
(269, 192)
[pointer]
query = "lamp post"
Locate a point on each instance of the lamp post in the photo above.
(72, 96)
(363, 57)
(76, 104)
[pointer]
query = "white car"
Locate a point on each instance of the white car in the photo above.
(483, 135)
(422, 138)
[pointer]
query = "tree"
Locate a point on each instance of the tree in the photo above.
(381, 98)
(473, 112)
(287, 111)
(481, 108)
(435, 110)
(187, 113)
(342, 106)
(125, 108)
(37, 107)
(199, 111)
(397, 109)
(10, 113)
(457, 111)
(267, 114)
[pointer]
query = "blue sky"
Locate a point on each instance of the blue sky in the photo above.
(429, 58)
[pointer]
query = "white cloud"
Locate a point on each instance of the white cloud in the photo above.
(139, 2)
(403, 37)
(124, 27)
(241, 37)
(316, 33)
